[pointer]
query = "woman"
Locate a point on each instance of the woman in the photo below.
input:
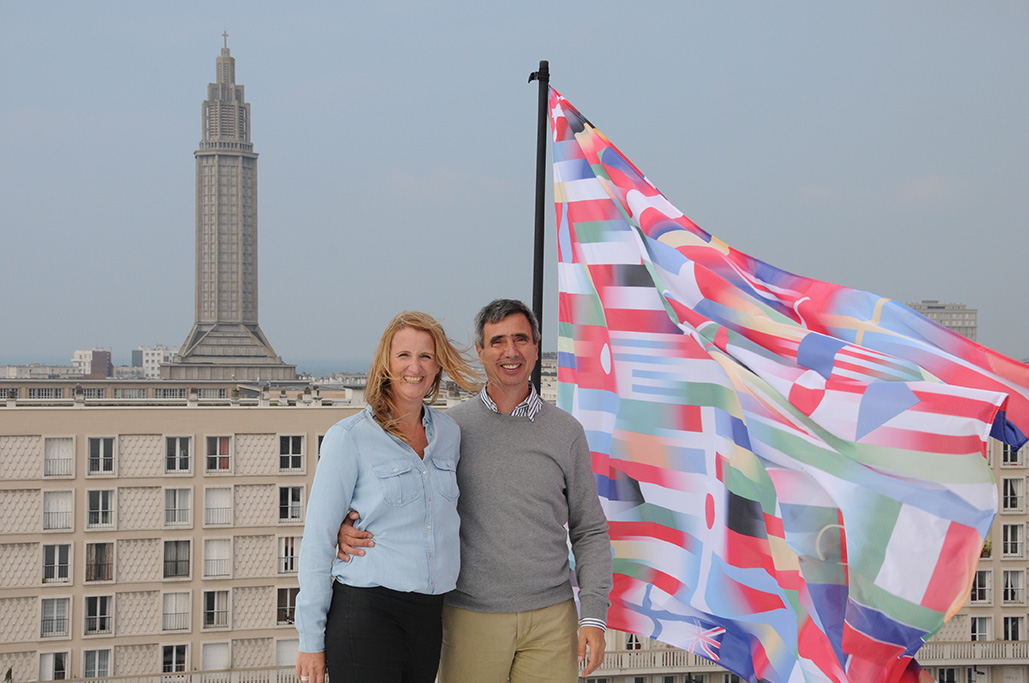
(377, 618)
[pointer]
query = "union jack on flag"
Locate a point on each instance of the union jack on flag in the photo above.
(793, 471)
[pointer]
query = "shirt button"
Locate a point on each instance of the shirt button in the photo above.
(424, 473)
(428, 526)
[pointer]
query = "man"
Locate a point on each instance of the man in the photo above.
(524, 473)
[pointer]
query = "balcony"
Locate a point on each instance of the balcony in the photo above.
(981, 653)
(58, 467)
(175, 621)
(53, 628)
(218, 516)
(56, 520)
(215, 568)
(55, 573)
(100, 571)
(98, 625)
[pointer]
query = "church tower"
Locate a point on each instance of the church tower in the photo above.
(226, 341)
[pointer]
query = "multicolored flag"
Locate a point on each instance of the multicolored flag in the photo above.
(793, 471)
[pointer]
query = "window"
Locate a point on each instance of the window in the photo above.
(286, 651)
(639, 679)
(218, 506)
(1013, 579)
(176, 506)
(1013, 628)
(287, 605)
(288, 555)
(632, 642)
(94, 392)
(96, 663)
(173, 658)
(217, 557)
(1012, 545)
(98, 615)
(54, 622)
(99, 561)
(1011, 498)
(291, 452)
(53, 666)
(695, 678)
(980, 628)
(57, 509)
(176, 454)
(1010, 457)
(101, 455)
(176, 559)
(216, 609)
(169, 393)
(219, 457)
(216, 657)
(982, 587)
(289, 503)
(46, 392)
(55, 563)
(175, 613)
(946, 675)
(58, 456)
(99, 509)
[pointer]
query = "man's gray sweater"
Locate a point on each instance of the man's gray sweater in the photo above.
(521, 481)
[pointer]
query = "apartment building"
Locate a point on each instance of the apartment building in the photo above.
(153, 527)
(152, 535)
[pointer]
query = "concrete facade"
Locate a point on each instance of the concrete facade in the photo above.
(152, 535)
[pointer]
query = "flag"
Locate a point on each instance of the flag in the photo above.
(793, 471)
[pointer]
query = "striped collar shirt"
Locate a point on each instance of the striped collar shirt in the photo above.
(529, 408)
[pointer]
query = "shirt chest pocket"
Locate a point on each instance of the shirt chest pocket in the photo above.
(401, 483)
(446, 478)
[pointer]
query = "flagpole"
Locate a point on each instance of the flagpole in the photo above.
(543, 76)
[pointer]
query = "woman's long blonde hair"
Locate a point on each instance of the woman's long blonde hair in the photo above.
(452, 361)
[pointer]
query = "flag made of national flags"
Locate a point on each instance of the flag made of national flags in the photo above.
(793, 471)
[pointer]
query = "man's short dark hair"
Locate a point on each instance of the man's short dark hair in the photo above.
(497, 310)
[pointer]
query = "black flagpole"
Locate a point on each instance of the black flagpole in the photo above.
(543, 76)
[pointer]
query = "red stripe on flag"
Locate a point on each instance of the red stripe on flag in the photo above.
(948, 579)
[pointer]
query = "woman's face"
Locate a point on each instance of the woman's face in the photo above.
(412, 364)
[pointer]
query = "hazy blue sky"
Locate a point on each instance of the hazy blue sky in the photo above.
(880, 145)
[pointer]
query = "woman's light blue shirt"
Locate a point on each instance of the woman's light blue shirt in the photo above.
(408, 503)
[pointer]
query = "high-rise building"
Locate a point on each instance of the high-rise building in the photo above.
(955, 317)
(226, 341)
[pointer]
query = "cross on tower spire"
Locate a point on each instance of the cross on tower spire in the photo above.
(225, 35)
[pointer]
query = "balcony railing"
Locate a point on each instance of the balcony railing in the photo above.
(50, 628)
(216, 567)
(175, 621)
(281, 674)
(216, 618)
(218, 516)
(57, 520)
(99, 571)
(176, 516)
(58, 467)
(55, 573)
(288, 564)
(98, 625)
(176, 568)
(98, 519)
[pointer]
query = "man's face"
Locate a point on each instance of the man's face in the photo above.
(509, 354)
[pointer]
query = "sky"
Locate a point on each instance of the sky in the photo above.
(877, 145)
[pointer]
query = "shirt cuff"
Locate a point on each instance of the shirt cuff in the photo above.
(596, 623)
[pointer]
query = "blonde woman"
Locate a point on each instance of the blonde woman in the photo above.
(377, 619)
